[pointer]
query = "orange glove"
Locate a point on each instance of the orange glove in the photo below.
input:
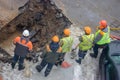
(102, 33)
(59, 50)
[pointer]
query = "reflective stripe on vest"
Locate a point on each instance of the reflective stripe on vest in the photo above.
(105, 38)
(86, 43)
(67, 44)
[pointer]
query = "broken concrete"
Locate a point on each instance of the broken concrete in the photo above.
(40, 17)
(9, 10)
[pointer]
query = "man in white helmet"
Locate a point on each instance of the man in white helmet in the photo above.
(22, 47)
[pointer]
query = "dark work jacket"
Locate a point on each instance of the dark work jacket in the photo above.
(51, 57)
(21, 50)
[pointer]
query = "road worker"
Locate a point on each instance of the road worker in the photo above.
(85, 43)
(102, 38)
(51, 56)
(22, 47)
(66, 43)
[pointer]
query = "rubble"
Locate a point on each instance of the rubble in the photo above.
(42, 18)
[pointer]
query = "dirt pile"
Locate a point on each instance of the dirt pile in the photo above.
(41, 17)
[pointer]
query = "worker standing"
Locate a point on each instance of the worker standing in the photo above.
(22, 47)
(51, 56)
(85, 43)
(66, 43)
(102, 38)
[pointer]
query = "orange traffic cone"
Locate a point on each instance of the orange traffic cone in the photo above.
(65, 64)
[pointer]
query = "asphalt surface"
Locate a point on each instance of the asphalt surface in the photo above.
(90, 12)
(81, 13)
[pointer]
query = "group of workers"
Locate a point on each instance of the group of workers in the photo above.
(100, 39)
(57, 48)
(55, 52)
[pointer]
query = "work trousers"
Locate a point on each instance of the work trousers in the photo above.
(96, 47)
(48, 69)
(81, 54)
(60, 59)
(17, 58)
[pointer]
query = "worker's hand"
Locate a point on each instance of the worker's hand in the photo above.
(97, 28)
(102, 33)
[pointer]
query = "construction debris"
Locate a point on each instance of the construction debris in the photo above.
(42, 18)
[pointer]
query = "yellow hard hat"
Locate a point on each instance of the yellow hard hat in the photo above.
(55, 38)
(87, 29)
(66, 32)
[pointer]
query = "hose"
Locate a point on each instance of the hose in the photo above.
(115, 37)
(114, 28)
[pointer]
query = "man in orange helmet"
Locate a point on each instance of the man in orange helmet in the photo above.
(66, 43)
(22, 47)
(85, 43)
(102, 38)
(51, 56)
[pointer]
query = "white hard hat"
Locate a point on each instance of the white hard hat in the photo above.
(26, 33)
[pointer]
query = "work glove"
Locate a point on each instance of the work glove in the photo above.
(102, 33)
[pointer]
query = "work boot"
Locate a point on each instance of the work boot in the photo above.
(47, 71)
(13, 65)
(78, 61)
(21, 67)
(46, 74)
(38, 68)
(93, 55)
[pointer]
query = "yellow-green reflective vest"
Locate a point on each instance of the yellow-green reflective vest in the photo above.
(86, 43)
(105, 38)
(67, 44)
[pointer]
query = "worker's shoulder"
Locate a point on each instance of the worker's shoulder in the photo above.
(29, 42)
(17, 38)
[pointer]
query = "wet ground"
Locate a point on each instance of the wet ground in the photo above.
(86, 71)
(81, 13)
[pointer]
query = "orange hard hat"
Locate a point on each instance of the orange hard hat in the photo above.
(87, 29)
(103, 24)
(55, 38)
(66, 32)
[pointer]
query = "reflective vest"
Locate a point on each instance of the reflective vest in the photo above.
(22, 46)
(67, 44)
(105, 38)
(86, 43)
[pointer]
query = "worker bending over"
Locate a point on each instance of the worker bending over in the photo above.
(51, 55)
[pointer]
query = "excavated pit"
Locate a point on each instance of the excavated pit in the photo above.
(41, 17)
